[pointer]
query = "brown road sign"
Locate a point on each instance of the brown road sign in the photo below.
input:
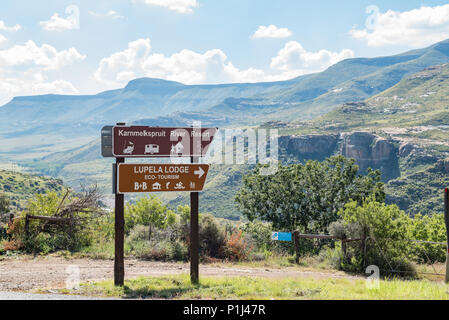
(138, 178)
(151, 142)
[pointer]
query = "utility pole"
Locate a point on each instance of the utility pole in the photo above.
(446, 219)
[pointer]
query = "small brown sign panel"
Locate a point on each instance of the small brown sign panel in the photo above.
(153, 142)
(142, 178)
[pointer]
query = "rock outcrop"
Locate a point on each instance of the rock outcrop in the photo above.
(310, 147)
(441, 166)
(369, 150)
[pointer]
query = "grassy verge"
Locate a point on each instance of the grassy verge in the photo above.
(247, 288)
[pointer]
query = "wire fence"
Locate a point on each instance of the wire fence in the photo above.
(405, 257)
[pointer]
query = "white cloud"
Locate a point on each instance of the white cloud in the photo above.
(110, 14)
(54, 87)
(185, 66)
(45, 56)
(212, 66)
(414, 28)
(295, 60)
(3, 27)
(180, 6)
(59, 24)
(272, 31)
(27, 69)
(2, 39)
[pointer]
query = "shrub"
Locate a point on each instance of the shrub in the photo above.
(212, 238)
(160, 248)
(237, 249)
(3, 232)
(151, 212)
(259, 235)
(138, 233)
(179, 251)
(428, 228)
(169, 251)
(44, 237)
(383, 230)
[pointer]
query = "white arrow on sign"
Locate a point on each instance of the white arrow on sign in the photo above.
(199, 172)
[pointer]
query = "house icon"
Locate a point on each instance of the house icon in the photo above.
(177, 149)
(157, 186)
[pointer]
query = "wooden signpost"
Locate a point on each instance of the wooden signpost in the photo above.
(150, 142)
(123, 141)
(446, 220)
(134, 178)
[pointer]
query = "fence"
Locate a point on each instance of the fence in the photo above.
(427, 257)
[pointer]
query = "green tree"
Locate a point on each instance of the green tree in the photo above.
(306, 197)
(4, 204)
(149, 211)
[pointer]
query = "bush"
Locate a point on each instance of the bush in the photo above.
(237, 249)
(428, 228)
(139, 233)
(49, 237)
(160, 248)
(212, 238)
(3, 232)
(384, 233)
(169, 251)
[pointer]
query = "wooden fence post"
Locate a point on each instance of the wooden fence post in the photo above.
(296, 242)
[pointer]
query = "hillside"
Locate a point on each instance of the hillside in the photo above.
(406, 124)
(32, 127)
(20, 187)
(413, 115)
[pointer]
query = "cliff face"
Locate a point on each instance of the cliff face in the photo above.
(369, 150)
(311, 147)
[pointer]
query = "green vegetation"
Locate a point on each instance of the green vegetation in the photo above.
(20, 187)
(78, 216)
(4, 204)
(420, 192)
(383, 233)
(179, 287)
(306, 197)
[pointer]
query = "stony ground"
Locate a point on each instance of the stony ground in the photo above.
(29, 273)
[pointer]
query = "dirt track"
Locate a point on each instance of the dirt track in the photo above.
(20, 274)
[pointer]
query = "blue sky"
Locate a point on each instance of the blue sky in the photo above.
(81, 47)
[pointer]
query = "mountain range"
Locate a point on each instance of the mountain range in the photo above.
(39, 125)
(401, 99)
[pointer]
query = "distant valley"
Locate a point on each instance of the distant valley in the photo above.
(398, 104)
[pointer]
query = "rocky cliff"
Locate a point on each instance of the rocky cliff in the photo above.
(369, 150)
(310, 147)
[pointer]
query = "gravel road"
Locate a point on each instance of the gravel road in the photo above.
(28, 273)
(31, 296)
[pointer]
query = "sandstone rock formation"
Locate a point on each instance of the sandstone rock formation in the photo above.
(369, 150)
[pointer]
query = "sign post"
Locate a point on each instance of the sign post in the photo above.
(144, 178)
(446, 219)
(194, 235)
(119, 263)
(281, 236)
(123, 141)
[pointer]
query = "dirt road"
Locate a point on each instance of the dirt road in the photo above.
(27, 273)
